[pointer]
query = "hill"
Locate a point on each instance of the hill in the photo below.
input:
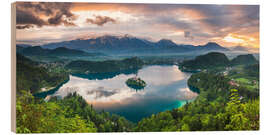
(19, 49)
(210, 60)
(24, 45)
(244, 60)
(30, 76)
(63, 51)
(81, 66)
(60, 51)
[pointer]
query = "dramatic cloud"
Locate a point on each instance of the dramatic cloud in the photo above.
(100, 20)
(43, 13)
(27, 18)
(27, 26)
(182, 23)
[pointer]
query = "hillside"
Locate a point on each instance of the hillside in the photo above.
(35, 50)
(219, 107)
(71, 114)
(80, 66)
(60, 51)
(244, 59)
(210, 60)
(30, 76)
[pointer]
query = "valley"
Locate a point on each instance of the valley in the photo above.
(196, 94)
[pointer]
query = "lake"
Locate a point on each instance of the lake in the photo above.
(166, 89)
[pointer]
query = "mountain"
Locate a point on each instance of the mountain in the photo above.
(239, 48)
(63, 51)
(129, 44)
(60, 51)
(102, 43)
(24, 45)
(35, 50)
(165, 43)
(244, 59)
(210, 60)
(19, 48)
(212, 46)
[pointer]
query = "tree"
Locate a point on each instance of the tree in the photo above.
(242, 116)
(34, 116)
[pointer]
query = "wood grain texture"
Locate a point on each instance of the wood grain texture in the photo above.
(13, 67)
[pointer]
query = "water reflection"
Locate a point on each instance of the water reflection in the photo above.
(166, 89)
(101, 76)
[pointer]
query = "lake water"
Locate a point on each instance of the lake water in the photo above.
(166, 89)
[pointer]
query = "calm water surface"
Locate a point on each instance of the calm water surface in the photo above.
(166, 89)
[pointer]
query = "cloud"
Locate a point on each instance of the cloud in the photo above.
(43, 14)
(27, 26)
(28, 18)
(100, 20)
(201, 23)
(188, 35)
(101, 92)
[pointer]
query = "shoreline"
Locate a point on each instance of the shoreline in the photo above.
(43, 94)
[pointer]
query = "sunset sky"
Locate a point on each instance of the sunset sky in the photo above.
(228, 25)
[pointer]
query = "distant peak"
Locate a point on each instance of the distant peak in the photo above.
(116, 36)
(165, 40)
(63, 47)
(107, 36)
(36, 47)
(239, 48)
(212, 44)
(128, 36)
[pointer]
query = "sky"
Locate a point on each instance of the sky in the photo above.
(228, 25)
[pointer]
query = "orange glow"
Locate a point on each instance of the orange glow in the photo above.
(97, 7)
(233, 39)
(244, 40)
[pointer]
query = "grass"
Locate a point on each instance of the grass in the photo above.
(243, 80)
(247, 83)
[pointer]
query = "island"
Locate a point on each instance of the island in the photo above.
(136, 83)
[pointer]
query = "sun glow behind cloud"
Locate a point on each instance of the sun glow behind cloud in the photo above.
(242, 40)
(233, 39)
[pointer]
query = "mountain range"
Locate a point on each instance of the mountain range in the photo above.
(60, 51)
(128, 44)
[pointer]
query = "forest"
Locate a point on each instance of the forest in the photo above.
(31, 76)
(81, 66)
(215, 61)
